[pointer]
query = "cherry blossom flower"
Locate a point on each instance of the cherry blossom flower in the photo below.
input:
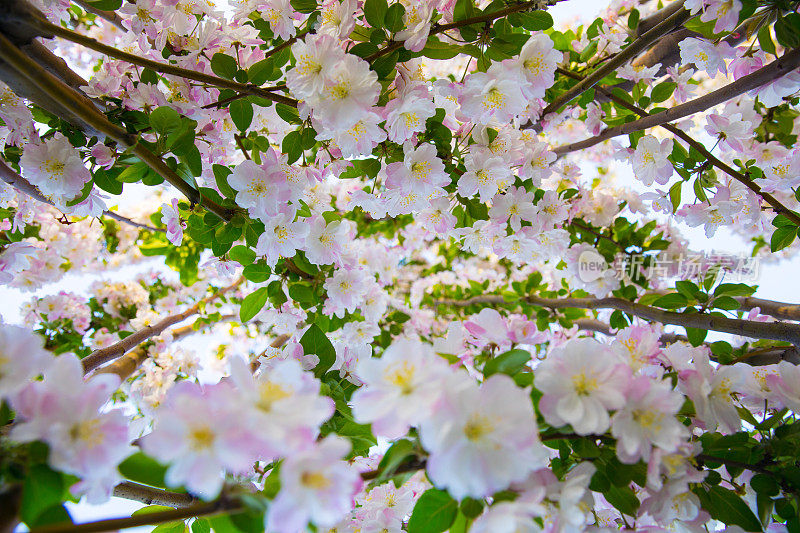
(417, 25)
(536, 65)
(316, 486)
(710, 390)
(486, 174)
(55, 167)
(406, 114)
(647, 419)
(282, 237)
(324, 242)
(724, 12)
(492, 97)
(421, 170)
(261, 189)
(170, 216)
(580, 382)
(706, 55)
(650, 160)
(481, 438)
(400, 389)
(307, 79)
(345, 290)
(515, 206)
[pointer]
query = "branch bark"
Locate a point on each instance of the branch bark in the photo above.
(126, 365)
(700, 147)
(165, 68)
(109, 353)
(10, 177)
(779, 331)
(778, 68)
(152, 495)
(77, 104)
(628, 53)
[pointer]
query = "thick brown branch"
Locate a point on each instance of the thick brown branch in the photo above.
(164, 68)
(779, 331)
(78, 104)
(104, 355)
(785, 64)
(126, 365)
(628, 53)
(152, 495)
(782, 310)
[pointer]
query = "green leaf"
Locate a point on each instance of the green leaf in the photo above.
(224, 66)
(394, 17)
(259, 73)
(221, 174)
(675, 195)
(242, 255)
(765, 484)
(201, 525)
(622, 498)
(375, 12)
(385, 65)
(106, 182)
(241, 113)
(724, 505)
(253, 303)
(765, 40)
(434, 512)
(538, 20)
(143, 469)
(288, 113)
(304, 6)
(675, 300)
(105, 5)
(662, 92)
(134, 173)
(782, 237)
(43, 488)
(258, 272)
(302, 293)
(394, 457)
(165, 120)
(509, 363)
(314, 341)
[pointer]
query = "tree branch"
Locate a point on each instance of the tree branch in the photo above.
(779, 331)
(738, 176)
(104, 355)
(77, 104)
(145, 519)
(152, 495)
(785, 64)
(486, 17)
(628, 53)
(22, 185)
(164, 68)
(128, 363)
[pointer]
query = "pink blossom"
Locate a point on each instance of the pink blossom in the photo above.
(170, 216)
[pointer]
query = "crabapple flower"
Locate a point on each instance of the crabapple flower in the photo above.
(594, 119)
(711, 391)
(338, 18)
(486, 174)
(201, 432)
(282, 237)
(170, 216)
(650, 160)
(421, 170)
(345, 289)
(536, 165)
(488, 327)
(23, 357)
(724, 12)
(506, 516)
(285, 406)
(316, 486)
(55, 167)
(400, 389)
(65, 411)
(580, 381)
(278, 13)
(719, 213)
(350, 89)
(536, 65)
(314, 53)
(492, 97)
(732, 130)
(786, 384)
(325, 242)
(16, 258)
(437, 216)
(706, 55)
(416, 25)
(647, 419)
(261, 189)
(481, 438)
(357, 140)
(515, 206)
(406, 115)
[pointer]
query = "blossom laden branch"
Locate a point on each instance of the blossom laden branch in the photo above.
(152, 495)
(157, 66)
(778, 68)
(632, 50)
(780, 331)
(104, 355)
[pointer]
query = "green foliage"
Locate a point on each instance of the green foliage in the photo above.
(434, 512)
